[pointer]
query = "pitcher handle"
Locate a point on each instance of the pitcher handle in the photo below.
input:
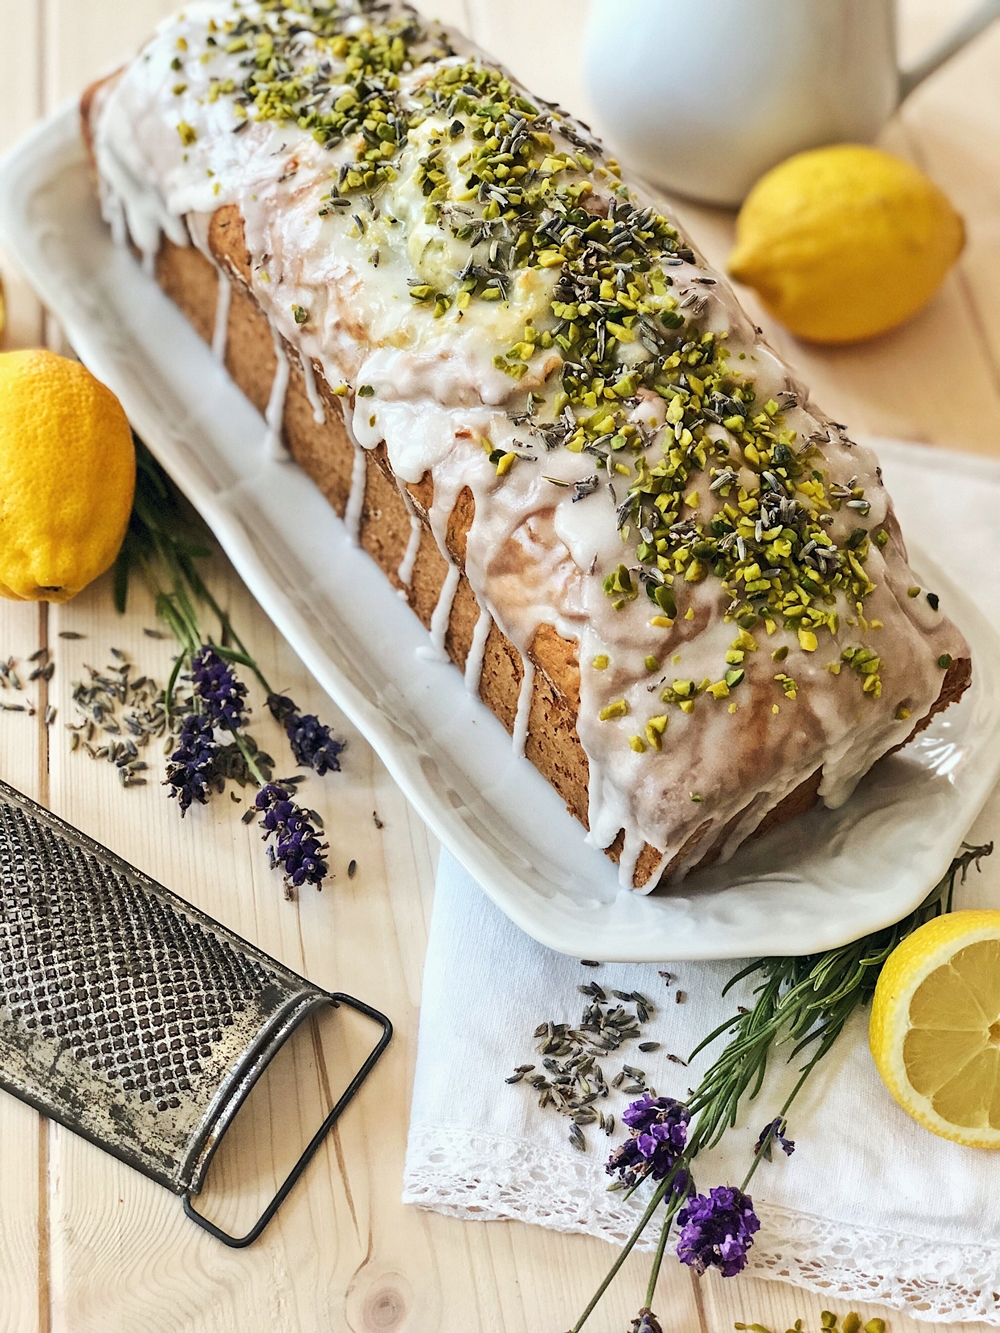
(949, 45)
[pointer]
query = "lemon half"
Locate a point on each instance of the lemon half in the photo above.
(935, 1027)
(846, 242)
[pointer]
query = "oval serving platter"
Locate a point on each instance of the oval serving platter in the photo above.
(818, 881)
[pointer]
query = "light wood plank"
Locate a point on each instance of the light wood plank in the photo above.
(20, 106)
(346, 1253)
(540, 43)
(23, 1238)
(83, 42)
(23, 1159)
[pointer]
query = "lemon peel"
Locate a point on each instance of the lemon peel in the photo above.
(67, 476)
(843, 243)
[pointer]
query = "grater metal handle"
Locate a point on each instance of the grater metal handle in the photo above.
(336, 999)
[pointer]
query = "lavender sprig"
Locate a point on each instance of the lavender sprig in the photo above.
(774, 1132)
(646, 1322)
(658, 1134)
(190, 769)
(221, 692)
(164, 542)
(717, 1229)
(312, 743)
(297, 848)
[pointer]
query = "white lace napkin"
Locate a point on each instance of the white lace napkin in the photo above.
(870, 1207)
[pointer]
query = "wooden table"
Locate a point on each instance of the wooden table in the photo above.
(88, 1246)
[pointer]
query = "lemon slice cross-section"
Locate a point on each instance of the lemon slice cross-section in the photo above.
(935, 1027)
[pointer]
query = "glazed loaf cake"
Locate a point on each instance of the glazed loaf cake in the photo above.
(680, 587)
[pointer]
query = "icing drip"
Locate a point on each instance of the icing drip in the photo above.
(312, 393)
(442, 616)
(222, 304)
(356, 498)
(474, 661)
(274, 416)
(523, 715)
(405, 571)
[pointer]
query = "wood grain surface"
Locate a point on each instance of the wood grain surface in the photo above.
(88, 1246)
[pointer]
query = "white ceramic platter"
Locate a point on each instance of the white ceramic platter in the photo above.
(815, 883)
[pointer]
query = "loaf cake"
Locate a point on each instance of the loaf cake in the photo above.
(679, 585)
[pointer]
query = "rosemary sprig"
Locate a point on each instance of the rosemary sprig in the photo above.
(804, 1001)
(162, 545)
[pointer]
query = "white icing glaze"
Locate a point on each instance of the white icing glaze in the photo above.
(441, 616)
(356, 498)
(537, 550)
(222, 303)
(312, 392)
(523, 715)
(274, 416)
(405, 571)
(474, 661)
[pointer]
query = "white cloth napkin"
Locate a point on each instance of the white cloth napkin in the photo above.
(870, 1207)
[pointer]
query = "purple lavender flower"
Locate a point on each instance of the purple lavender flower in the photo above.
(311, 741)
(659, 1133)
(191, 763)
(297, 847)
(774, 1133)
(219, 689)
(717, 1230)
(646, 1322)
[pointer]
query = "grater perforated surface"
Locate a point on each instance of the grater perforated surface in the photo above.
(125, 1013)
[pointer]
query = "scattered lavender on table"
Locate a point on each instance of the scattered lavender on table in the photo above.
(572, 1078)
(717, 1230)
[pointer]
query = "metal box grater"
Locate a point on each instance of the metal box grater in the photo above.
(131, 1017)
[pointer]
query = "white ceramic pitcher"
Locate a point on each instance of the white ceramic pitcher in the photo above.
(704, 96)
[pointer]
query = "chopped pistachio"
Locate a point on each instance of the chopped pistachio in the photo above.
(618, 709)
(601, 662)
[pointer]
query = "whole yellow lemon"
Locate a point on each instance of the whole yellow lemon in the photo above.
(843, 243)
(67, 475)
